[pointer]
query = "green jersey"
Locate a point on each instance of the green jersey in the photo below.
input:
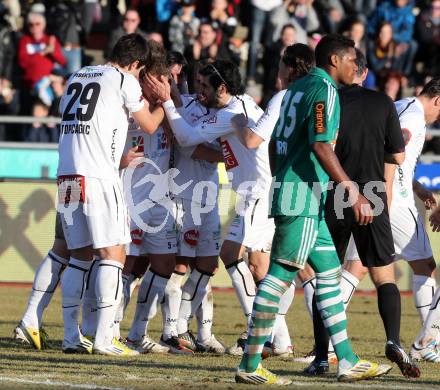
(309, 113)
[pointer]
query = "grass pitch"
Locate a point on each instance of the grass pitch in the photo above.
(24, 368)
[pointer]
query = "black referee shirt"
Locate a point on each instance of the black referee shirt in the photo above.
(369, 128)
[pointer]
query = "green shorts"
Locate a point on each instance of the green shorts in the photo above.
(299, 238)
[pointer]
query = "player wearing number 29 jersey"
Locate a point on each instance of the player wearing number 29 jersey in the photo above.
(92, 133)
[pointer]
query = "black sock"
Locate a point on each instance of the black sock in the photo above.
(388, 301)
(320, 333)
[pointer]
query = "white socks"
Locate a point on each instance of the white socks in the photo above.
(348, 285)
(244, 286)
(205, 315)
(108, 291)
(431, 326)
(151, 293)
(309, 290)
(88, 325)
(171, 304)
(423, 290)
(46, 280)
(73, 285)
(193, 292)
(280, 333)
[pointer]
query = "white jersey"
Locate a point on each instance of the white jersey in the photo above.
(250, 167)
(95, 108)
(192, 170)
(412, 122)
(154, 171)
(266, 123)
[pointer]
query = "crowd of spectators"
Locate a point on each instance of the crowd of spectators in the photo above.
(47, 41)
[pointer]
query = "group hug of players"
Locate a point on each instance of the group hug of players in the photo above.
(138, 195)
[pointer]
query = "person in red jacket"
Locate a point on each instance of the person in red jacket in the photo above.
(38, 52)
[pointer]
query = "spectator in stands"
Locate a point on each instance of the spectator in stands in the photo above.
(272, 58)
(156, 37)
(261, 11)
(38, 55)
(7, 45)
(38, 132)
(332, 13)
(130, 25)
(205, 46)
(428, 35)
(303, 12)
(9, 105)
(391, 84)
(355, 30)
(184, 26)
(400, 15)
(64, 21)
(382, 52)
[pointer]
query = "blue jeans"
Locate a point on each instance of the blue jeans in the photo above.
(258, 21)
(73, 60)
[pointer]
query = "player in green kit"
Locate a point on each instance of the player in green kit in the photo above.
(302, 159)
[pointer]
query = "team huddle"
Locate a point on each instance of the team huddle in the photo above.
(138, 199)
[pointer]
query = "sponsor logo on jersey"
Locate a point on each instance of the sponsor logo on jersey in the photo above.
(319, 114)
(162, 141)
(191, 237)
(139, 142)
(281, 148)
(406, 135)
(400, 180)
(228, 155)
(113, 145)
(136, 236)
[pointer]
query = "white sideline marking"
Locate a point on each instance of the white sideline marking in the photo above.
(48, 382)
(357, 385)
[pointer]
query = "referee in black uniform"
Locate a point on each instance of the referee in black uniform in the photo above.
(369, 136)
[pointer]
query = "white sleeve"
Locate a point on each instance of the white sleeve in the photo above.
(132, 93)
(188, 135)
(265, 125)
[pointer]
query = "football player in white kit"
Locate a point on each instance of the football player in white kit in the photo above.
(248, 171)
(410, 239)
(296, 62)
(95, 111)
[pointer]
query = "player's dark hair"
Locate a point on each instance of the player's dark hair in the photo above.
(224, 72)
(175, 57)
(130, 48)
(300, 57)
(432, 89)
(361, 62)
(329, 45)
(156, 57)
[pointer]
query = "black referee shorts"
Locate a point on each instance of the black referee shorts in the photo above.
(374, 242)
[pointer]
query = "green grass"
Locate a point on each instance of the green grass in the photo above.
(23, 368)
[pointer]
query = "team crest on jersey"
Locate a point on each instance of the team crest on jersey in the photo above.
(211, 120)
(191, 237)
(162, 141)
(228, 155)
(319, 114)
(136, 236)
(406, 135)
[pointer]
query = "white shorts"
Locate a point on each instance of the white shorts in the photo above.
(198, 232)
(411, 241)
(159, 242)
(254, 229)
(93, 212)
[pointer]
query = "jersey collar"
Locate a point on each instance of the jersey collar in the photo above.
(319, 72)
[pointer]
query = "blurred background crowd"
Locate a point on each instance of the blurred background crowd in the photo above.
(43, 42)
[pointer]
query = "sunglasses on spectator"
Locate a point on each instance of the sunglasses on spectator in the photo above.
(35, 24)
(130, 20)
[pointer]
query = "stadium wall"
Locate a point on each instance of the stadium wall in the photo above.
(27, 213)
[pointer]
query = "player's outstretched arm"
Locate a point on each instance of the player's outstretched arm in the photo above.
(327, 157)
(426, 196)
(148, 120)
(246, 135)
